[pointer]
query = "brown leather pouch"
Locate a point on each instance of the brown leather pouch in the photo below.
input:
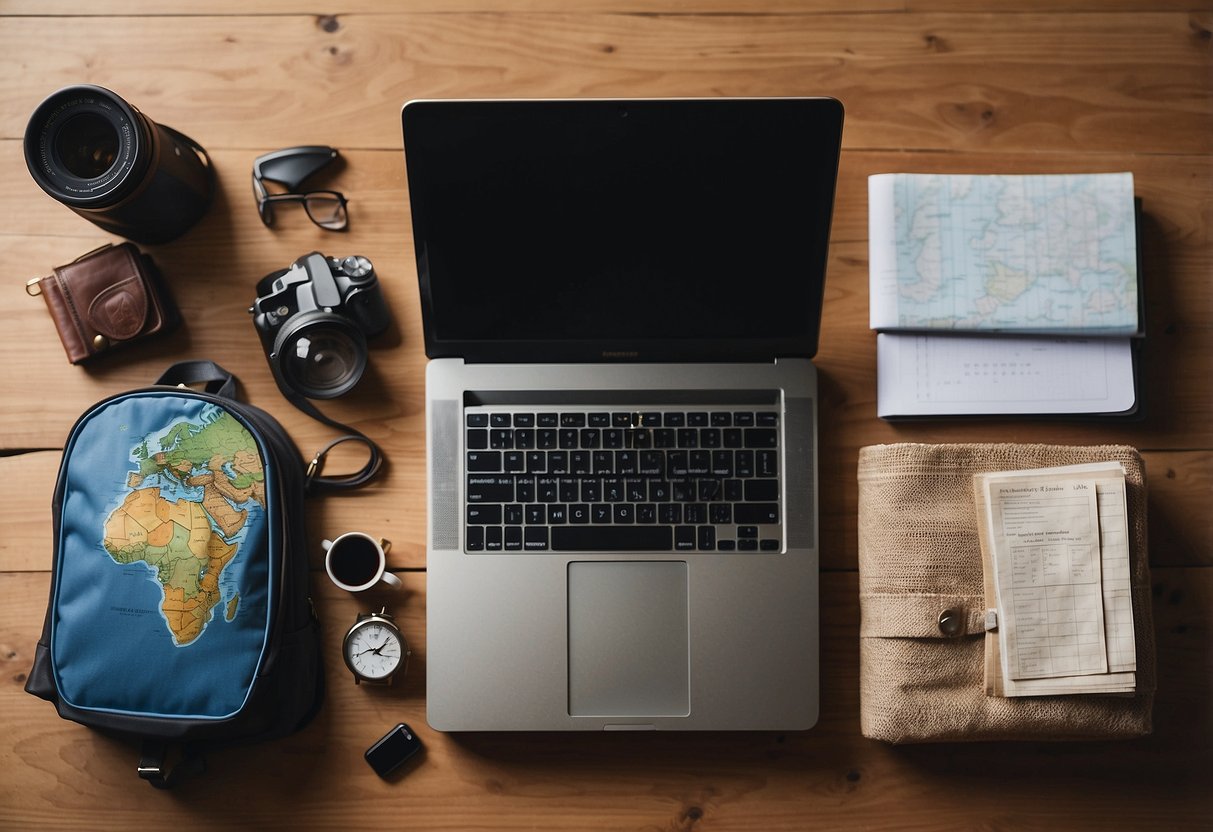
(108, 297)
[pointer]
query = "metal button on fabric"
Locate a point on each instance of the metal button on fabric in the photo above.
(951, 622)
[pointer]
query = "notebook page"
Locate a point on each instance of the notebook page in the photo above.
(927, 375)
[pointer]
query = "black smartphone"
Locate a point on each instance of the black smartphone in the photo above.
(392, 749)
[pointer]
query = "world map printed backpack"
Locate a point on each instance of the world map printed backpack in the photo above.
(179, 610)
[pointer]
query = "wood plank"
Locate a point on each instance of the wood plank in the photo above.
(1179, 486)
(146, 8)
(169, 8)
(58, 773)
(998, 83)
(214, 267)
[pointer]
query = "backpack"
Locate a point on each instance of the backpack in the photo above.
(179, 610)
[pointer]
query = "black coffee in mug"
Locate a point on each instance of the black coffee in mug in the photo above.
(354, 560)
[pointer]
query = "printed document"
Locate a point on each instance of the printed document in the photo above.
(1057, 542)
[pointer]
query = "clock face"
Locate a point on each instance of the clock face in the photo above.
(374, 651)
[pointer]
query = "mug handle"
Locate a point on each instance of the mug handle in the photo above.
(390, 579)
(326, 544)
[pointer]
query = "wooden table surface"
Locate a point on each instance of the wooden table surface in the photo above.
(929, 85)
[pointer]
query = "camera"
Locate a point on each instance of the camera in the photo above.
(314, 319)
(115, 167)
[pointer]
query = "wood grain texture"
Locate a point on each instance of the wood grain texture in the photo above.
(1015, 86)
(172, 8)
(999, 83)
(214, 267)
(60, 774)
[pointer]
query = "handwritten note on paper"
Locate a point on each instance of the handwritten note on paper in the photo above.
(1045, 539)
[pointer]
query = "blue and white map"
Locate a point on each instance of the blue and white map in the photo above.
(980, 253)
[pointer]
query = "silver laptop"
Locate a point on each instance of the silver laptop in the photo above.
(620, 301)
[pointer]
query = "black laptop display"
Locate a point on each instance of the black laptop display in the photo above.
(516, 264)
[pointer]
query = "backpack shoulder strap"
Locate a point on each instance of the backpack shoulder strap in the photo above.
(200, 371)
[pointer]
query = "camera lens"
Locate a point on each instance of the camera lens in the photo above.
(87, 145)
(323, 360)
(99, 156)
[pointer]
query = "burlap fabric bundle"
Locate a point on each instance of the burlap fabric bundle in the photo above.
(919, 556)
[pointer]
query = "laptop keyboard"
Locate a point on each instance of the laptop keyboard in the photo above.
(586, 480)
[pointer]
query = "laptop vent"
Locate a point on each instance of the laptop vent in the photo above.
(798, 421)
(444, 470)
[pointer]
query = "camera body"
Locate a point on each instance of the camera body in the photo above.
(314, 319)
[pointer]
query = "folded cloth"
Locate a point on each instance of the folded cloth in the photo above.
(922, 601)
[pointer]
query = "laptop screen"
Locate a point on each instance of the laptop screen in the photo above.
(659, 229)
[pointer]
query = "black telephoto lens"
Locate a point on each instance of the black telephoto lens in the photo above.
(114, 166)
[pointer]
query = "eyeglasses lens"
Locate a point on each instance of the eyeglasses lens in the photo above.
(326, 211)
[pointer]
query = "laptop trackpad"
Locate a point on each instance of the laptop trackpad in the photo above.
(628, 638)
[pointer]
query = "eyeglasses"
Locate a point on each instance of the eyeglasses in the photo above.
(289, 168)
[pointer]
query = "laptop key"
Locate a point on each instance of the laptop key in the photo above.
(684, 538)
(478, 439)
(480, 462)
(492, 538)
(478, 420)
(766, 463)
(513, 538)
(475, 539)
(484, 515)
(756, 513)
(707, 538)
(490, 489)
(499, 420)
(514, 462)
(761, 438)
(613, 538)
(761, 491)
(535, 538)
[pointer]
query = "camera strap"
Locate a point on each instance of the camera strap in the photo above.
(342, 482)
(220, 382)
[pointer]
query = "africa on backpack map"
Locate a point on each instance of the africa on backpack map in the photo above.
(184, 514)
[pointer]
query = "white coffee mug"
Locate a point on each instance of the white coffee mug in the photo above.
(355, 561)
